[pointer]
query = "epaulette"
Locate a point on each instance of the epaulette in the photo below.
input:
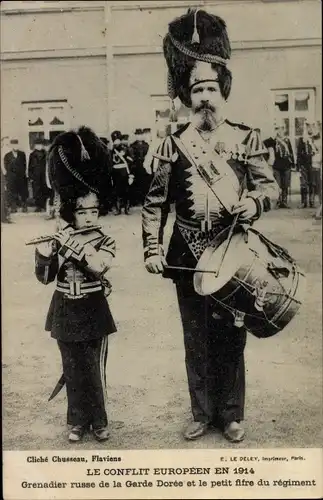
(241, 126)
(254, 144)
(166, 151)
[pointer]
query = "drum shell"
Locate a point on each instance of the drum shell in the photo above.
(284, 290)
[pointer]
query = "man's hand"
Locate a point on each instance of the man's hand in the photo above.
(155, 264)
(246, 208)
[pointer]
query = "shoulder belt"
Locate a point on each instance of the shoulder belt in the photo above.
(209, 164)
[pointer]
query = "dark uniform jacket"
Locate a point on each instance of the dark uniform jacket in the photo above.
(238, 164)
(140, 149)
(37, 167)
(305, 152)
(79, 310)
(15, 166)
(284, 156)
(121, 166)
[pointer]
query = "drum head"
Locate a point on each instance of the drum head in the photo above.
(208, 283)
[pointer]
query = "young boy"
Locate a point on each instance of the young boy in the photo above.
(79, 316)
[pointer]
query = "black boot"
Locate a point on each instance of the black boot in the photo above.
(303, 198)
(118, 208)
(284, 199)
(312, 199)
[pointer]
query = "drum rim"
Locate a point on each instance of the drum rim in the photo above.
(209, 252)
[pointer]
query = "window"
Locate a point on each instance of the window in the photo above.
(292, 108)
(45, 120)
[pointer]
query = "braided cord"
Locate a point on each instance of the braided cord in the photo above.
(209, 58)
(72, 170)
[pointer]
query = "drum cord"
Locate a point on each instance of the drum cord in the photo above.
(251, 287)
(232, 311)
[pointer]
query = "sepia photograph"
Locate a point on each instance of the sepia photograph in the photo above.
(161, 217)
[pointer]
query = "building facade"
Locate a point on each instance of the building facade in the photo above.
(100, 63)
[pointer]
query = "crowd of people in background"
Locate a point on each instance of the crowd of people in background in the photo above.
(307, 162)
(132, 167)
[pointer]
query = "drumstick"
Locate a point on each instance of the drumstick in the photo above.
(228, 241)
(192, 269)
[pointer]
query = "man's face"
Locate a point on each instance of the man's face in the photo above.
(117, 142)
(207, 103)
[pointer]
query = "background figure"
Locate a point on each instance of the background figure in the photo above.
(309, 160)
(16, 179)
(5, 214)
(107, 201)
(283, 164)
(37, 175)
(142, 179)
(122, 176)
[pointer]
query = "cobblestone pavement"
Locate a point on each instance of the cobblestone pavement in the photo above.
(148, 397)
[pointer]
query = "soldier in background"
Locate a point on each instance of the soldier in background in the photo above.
(37, 175)
(141, 182)
(283, 164)
(308, 153)
(107, 187)
(122, 176)
(16, 178)
(317, 167)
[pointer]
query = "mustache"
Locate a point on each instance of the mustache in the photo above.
(205, 106)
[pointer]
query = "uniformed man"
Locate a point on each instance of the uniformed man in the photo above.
(122, 176)
(283, 164)
(107, 200)
(16, 179)
(190, 162)
(37, 174)
(308, 164)
(141, 182)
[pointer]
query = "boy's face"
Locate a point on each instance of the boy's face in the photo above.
(87, 211)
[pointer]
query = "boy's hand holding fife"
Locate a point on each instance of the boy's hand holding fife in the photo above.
(70, 247)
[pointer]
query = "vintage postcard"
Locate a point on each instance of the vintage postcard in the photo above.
(161, 216)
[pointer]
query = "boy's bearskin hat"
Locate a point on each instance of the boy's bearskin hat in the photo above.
(78, 161)
(196, 36)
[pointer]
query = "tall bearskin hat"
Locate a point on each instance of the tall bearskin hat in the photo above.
(196, 36)
(78, 162)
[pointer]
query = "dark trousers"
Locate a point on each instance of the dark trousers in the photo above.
(84, 368)
(214, 360)
(310, 184)
(40, 193)
(17, 190)
(283, 179)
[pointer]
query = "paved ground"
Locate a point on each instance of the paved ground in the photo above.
(148, 398)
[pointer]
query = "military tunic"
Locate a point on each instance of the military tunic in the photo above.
(214, 346)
